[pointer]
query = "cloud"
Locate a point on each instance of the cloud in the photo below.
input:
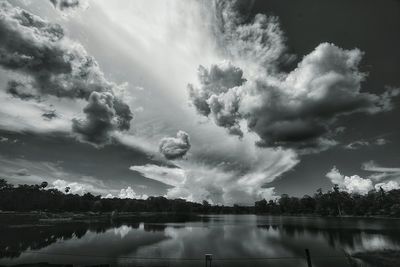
(372, 166)
(167, 175)
(221, 184)
(53, 64)
(215, 97)
(297, 109)
(127, 193)
(390, 185)
(381, 141)
(50, 114)
(73, 187)
(350, 184)
(21, 90)
(380, 173)
(175, 147)
(100, 119)
(357, 145)
(65, 4)
(259, 40)
(22, 172)
(357, 184)
(363, 143)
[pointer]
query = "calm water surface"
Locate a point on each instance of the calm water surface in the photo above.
(234, 240)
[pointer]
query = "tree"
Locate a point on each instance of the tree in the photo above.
(44, 184)
(5, 185)
(206, 206)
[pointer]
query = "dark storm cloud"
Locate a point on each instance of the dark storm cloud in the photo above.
(175, 147)
(217, 95)
(50, 114)
(99, 120)
(65, 4)
(56, 65)
(21, 90)
(296, 109)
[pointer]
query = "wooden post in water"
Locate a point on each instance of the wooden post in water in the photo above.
(308, 257)
(208, 260)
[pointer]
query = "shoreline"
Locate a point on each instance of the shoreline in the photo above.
(17, 217)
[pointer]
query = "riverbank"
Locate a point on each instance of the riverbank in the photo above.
(39, 217)
(32, 217)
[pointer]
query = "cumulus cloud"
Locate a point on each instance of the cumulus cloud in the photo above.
(217, 95)
(85, 185)
(99, 122)
(223, 183)
(297, 109)
(175, 147)
(72, 187)
(54, 64)
(350, 184)
(197, 182)
(127, 193)
(390, 185)
(21, 90)
(258, 40)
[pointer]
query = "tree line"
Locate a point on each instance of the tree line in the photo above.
(331, 203)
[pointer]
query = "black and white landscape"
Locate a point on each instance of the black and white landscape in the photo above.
(171, 129)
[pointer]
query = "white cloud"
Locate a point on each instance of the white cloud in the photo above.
(127, 193)
(357, 184)
(350, 184)
(218, 184)
(357, 144)
(175, 147)
(381, 141)
(74, 187)
(364, 143)
(167, 175)
(380, 173)
(373, 167)
(390, 185)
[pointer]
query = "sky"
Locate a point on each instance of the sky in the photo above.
(224, 101)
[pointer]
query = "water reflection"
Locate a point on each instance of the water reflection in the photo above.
(233, 240)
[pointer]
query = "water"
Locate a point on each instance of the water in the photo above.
(234, 240)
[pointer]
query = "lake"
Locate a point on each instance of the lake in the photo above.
(234, 240)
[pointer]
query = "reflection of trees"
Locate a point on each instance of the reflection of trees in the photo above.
(154, 227)
(338, 238)
(15, 240)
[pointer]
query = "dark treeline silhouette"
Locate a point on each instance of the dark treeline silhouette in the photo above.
(331, 203)
(335, 203)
